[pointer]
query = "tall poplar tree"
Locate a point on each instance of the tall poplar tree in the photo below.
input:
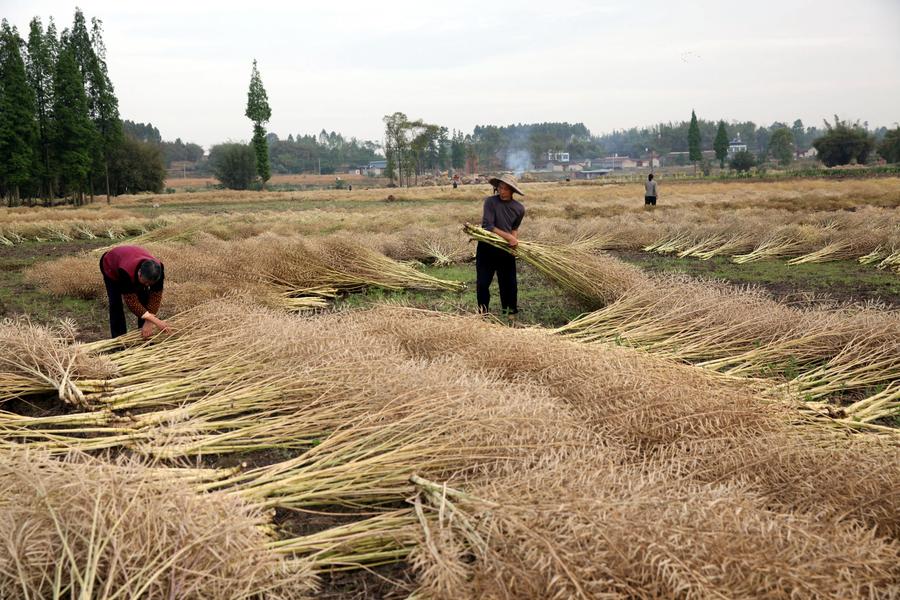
(259, 113)
(17, 124)
(73, 134)
(103, 107)
(42, 51)
(694, 152)
(103, 102)
(721, 144)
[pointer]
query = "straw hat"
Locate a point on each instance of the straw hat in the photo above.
(508, 180)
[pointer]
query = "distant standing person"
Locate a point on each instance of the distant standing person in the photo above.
(135, 276)
(650, 191)
(502, 215)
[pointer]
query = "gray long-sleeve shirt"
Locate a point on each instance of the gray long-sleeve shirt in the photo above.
(650, 188)
(506, 216)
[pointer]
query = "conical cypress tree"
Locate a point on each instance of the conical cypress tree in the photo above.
(694, 152)
(721, 144)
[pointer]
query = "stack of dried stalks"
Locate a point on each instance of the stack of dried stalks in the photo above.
(37, 359)
(557, 438)
(83, 528)
(284, 272)
(585, 527)
(680, 414)
(595, 279)
(746, 333)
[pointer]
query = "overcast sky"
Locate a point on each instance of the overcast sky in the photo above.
(185, 66)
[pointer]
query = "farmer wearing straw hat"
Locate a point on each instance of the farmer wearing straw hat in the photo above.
(134, 275)
(502, 215)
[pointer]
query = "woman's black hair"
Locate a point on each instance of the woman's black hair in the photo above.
(150, 271)
(650, 177)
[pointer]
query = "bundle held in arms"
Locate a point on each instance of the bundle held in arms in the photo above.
(596, 279)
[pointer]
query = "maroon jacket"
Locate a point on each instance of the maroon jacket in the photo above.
(120, 265)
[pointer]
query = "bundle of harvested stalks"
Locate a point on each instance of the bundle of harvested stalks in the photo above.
(586, 528)
(686, 319)
(86, 529)
(282, 272)
(442, 253)
(373, 268)
(595, 279)
(802, 468)
(36, 359)
(369, 460)
(746, 333)
(379, 540)
(319, 375)
(632, 397)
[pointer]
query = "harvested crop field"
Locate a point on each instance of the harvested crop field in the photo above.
(696, 401)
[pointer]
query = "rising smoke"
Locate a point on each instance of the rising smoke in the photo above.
(518, 161)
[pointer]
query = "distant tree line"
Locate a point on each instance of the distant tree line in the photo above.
(60, 131)
(235, 164)
(836, 144)
(326, 152)
(172, 152)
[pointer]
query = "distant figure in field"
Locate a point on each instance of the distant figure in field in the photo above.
(134, 275)
(502, 215)
(650, 191)
(350, 188)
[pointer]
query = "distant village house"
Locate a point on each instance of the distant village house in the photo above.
(736, 146)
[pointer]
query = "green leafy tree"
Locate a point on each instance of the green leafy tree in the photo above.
(259, 113)
(42, 55)
(396, 145)
(781, 146)
(889, 148)
(742, 161)
(694, 152)
(137, 167)
(721, 144)
(234, 165)
(844, 143)
(17, 120)
(73, 134)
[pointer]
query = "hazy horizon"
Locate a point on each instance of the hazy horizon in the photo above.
(610, 65)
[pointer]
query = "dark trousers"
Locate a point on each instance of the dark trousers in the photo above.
(649, 200)
(490, 260)
(117, 325)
